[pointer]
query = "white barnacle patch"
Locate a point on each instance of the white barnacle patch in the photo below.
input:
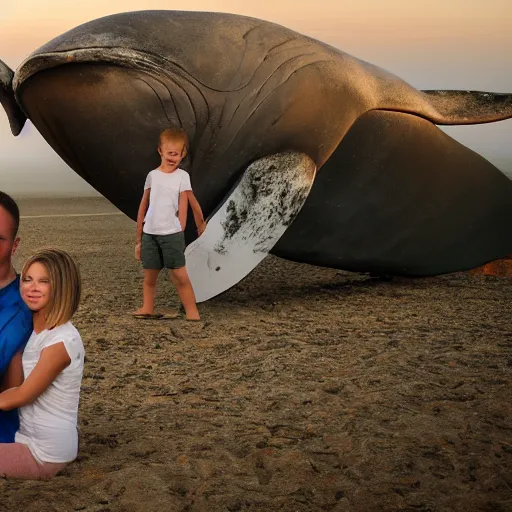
(249, 223)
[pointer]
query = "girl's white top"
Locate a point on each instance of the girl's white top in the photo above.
(49, 425)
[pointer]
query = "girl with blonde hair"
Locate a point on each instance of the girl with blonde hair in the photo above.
(44, 381)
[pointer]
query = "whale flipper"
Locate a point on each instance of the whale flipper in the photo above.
(249, 222)
(469, 107)
(14, 113)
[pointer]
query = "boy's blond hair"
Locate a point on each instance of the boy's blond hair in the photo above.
(65, 282)
(175, 135)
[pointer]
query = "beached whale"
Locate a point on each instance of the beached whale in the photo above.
(296, 148)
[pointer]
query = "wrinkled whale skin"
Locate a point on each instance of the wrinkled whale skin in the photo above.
(393, 193)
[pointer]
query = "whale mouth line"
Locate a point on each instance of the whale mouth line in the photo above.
(123, 57)
(135, 60)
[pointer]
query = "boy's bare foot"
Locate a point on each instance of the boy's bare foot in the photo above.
(191, 313)
(142, 311)
(144, 314)
(170, 315)
(180, 315)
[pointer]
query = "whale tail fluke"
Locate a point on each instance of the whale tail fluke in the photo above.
(469, 107)
(14, 113)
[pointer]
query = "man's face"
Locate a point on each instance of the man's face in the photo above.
(8, 243)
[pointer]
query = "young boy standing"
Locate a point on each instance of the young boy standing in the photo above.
(161, 220)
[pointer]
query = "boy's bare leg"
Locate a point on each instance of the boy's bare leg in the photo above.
(180, 279)
(148, 292)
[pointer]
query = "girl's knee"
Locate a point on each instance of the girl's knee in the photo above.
(46, 478)
(51, 470)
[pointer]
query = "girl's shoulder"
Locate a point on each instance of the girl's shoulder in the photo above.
(69, 335)
(66, 333)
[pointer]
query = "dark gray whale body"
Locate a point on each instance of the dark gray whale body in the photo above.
(392, 194)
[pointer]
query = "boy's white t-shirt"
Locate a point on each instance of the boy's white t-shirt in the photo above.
(162, 215)
(49, 425)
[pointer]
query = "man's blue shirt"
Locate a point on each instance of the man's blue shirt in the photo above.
(15, 330)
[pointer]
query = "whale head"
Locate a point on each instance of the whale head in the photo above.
(241, 88)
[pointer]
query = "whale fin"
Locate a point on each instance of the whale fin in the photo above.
(250, 221)
(400, 197)
(14, 113)
(469, 107)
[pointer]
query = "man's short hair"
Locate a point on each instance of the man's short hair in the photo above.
(9, 204)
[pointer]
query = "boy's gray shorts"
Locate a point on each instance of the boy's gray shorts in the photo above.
(159, 251)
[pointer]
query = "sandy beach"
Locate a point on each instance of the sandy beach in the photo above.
(303, 389)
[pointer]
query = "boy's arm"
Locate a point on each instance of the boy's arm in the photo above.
(183, 209)
(198, 213)
(143, 208)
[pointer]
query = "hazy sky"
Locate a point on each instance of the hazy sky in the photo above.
(444, 44)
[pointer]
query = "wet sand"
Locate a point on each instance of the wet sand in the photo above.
(304, 389)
